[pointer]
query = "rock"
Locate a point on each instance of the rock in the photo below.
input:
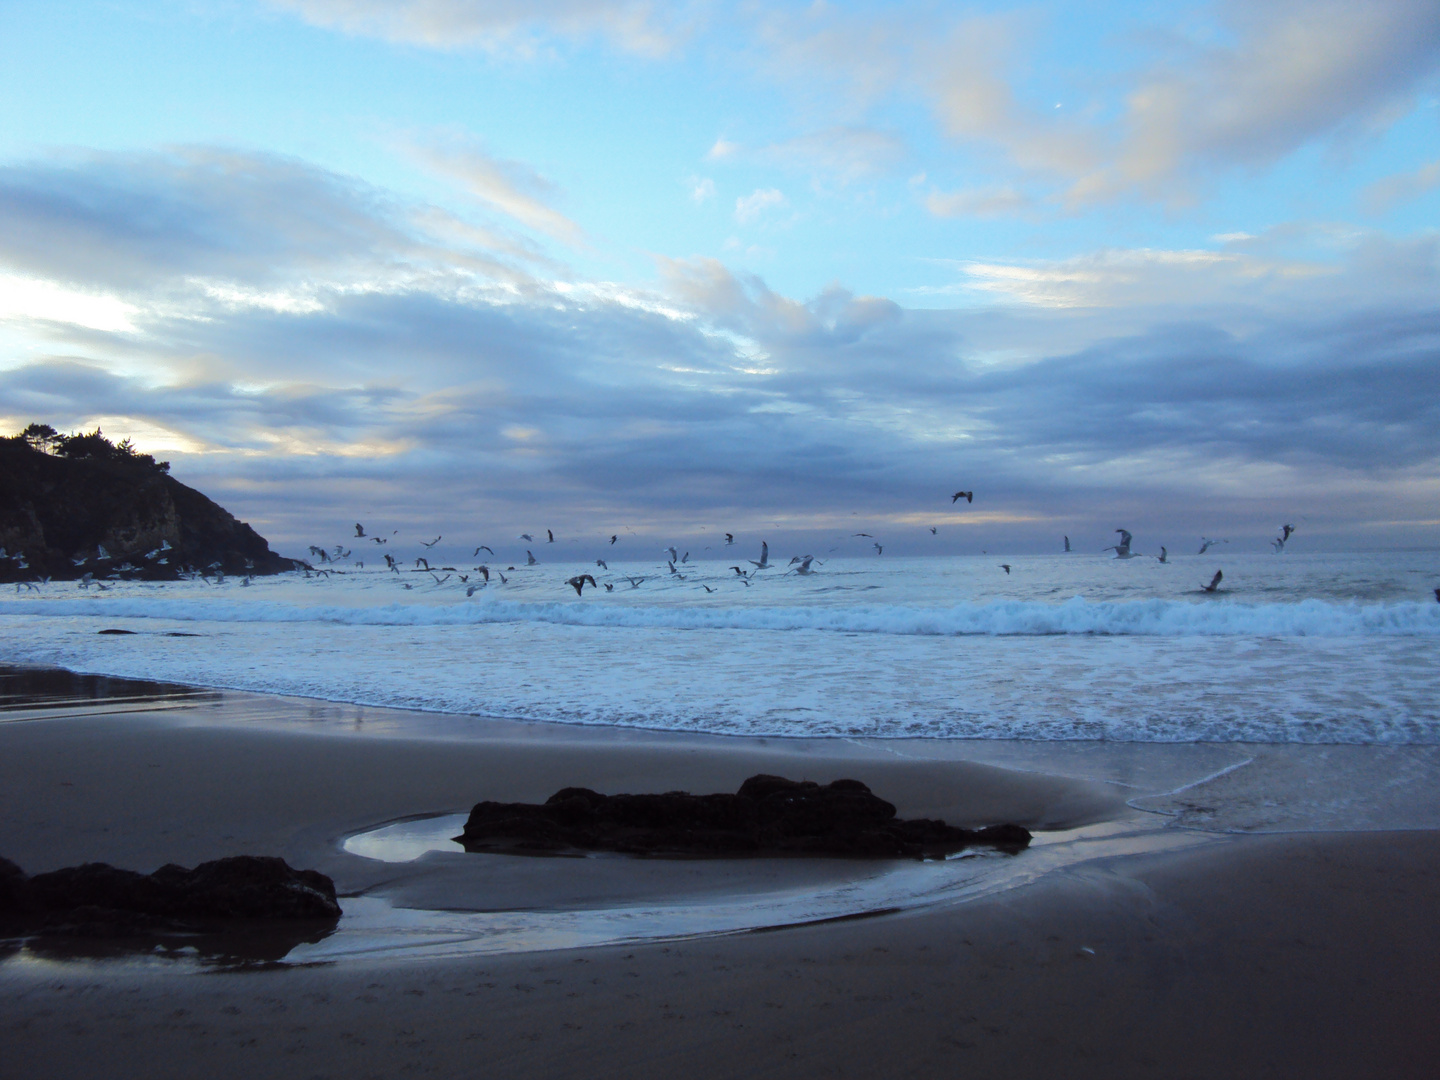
(55, 510)
(768, 816)
(96, 899)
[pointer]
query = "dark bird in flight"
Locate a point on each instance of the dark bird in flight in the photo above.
(1207, 544)
(359, 530)
(484, 570)
(422, 561)
(729, 539)
(1279, 542)
(1005, 566)
(378, 540)
(866, 535)
(481, 548)
(707, 588)
(530, 560)
(432, 543)
(878, 549)
(1219, 574)
(579, 581)
(1067, 543)
(613, 538)
(601, 563)
(526, 536)
(932, 530)
(968, 496)
(551, 536)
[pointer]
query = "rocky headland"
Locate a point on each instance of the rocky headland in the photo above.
(81, 505)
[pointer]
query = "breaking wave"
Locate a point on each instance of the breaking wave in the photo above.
(1149, 618)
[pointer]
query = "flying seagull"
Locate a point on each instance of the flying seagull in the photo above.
(968, 496)
(551, 536)
(1279, 542)
(1215, 583)
(1163, 556)
(878, 549)
(481, 548)
(1206, 544)
(867, 536)
(526, 536)
(530, 560)
(359, 530)
(672, 553)
(729, 539)
(432, 543)
(579, 581)
(932, 530)
(1005, 566)
(613, 538)
(764, 563)
(1122, 549)
(601, 563)
(804, 567)
(1067, 543)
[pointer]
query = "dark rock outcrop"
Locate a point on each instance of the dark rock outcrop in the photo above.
(57, 510)
(99, 900)
(768, 816)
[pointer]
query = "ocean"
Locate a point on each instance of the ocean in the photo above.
(1294, 648)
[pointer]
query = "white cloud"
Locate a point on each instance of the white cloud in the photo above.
(723, 148)
(702, 188)
(1298, 70)
(749, 208)
(518, 26)
(33, 298)
(978, 202)
(1402, 187)
(511, 187)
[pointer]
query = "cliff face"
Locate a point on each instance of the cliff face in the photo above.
(57, 511)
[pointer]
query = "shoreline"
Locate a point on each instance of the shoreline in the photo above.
(1220, 954)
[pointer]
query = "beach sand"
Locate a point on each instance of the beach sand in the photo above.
(1155, 951)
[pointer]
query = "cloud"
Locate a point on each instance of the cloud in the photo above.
(1297, 71)
(1256, 83)
(847, 153)
(702, 188)
(516, 26)
(1166, 384)
(511, 187)
(749, 208)
(1390, 191)
(127, 221)
(978, 202)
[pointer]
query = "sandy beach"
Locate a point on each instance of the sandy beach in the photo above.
(1120, 945)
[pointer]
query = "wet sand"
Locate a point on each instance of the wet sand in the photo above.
(1227, 956)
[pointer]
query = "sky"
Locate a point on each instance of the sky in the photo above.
(602, 266)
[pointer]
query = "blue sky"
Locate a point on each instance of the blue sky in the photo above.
(765, 267)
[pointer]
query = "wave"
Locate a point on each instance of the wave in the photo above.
(1154, 617)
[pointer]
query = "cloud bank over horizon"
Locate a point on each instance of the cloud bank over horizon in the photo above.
(445, 326)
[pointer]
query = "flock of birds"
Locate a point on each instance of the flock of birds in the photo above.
(676, 564)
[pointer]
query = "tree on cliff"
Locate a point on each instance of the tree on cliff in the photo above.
(92, 445)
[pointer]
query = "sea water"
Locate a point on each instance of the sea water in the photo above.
(1310, 648)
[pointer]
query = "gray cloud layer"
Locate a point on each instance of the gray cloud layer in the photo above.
(418, 381)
